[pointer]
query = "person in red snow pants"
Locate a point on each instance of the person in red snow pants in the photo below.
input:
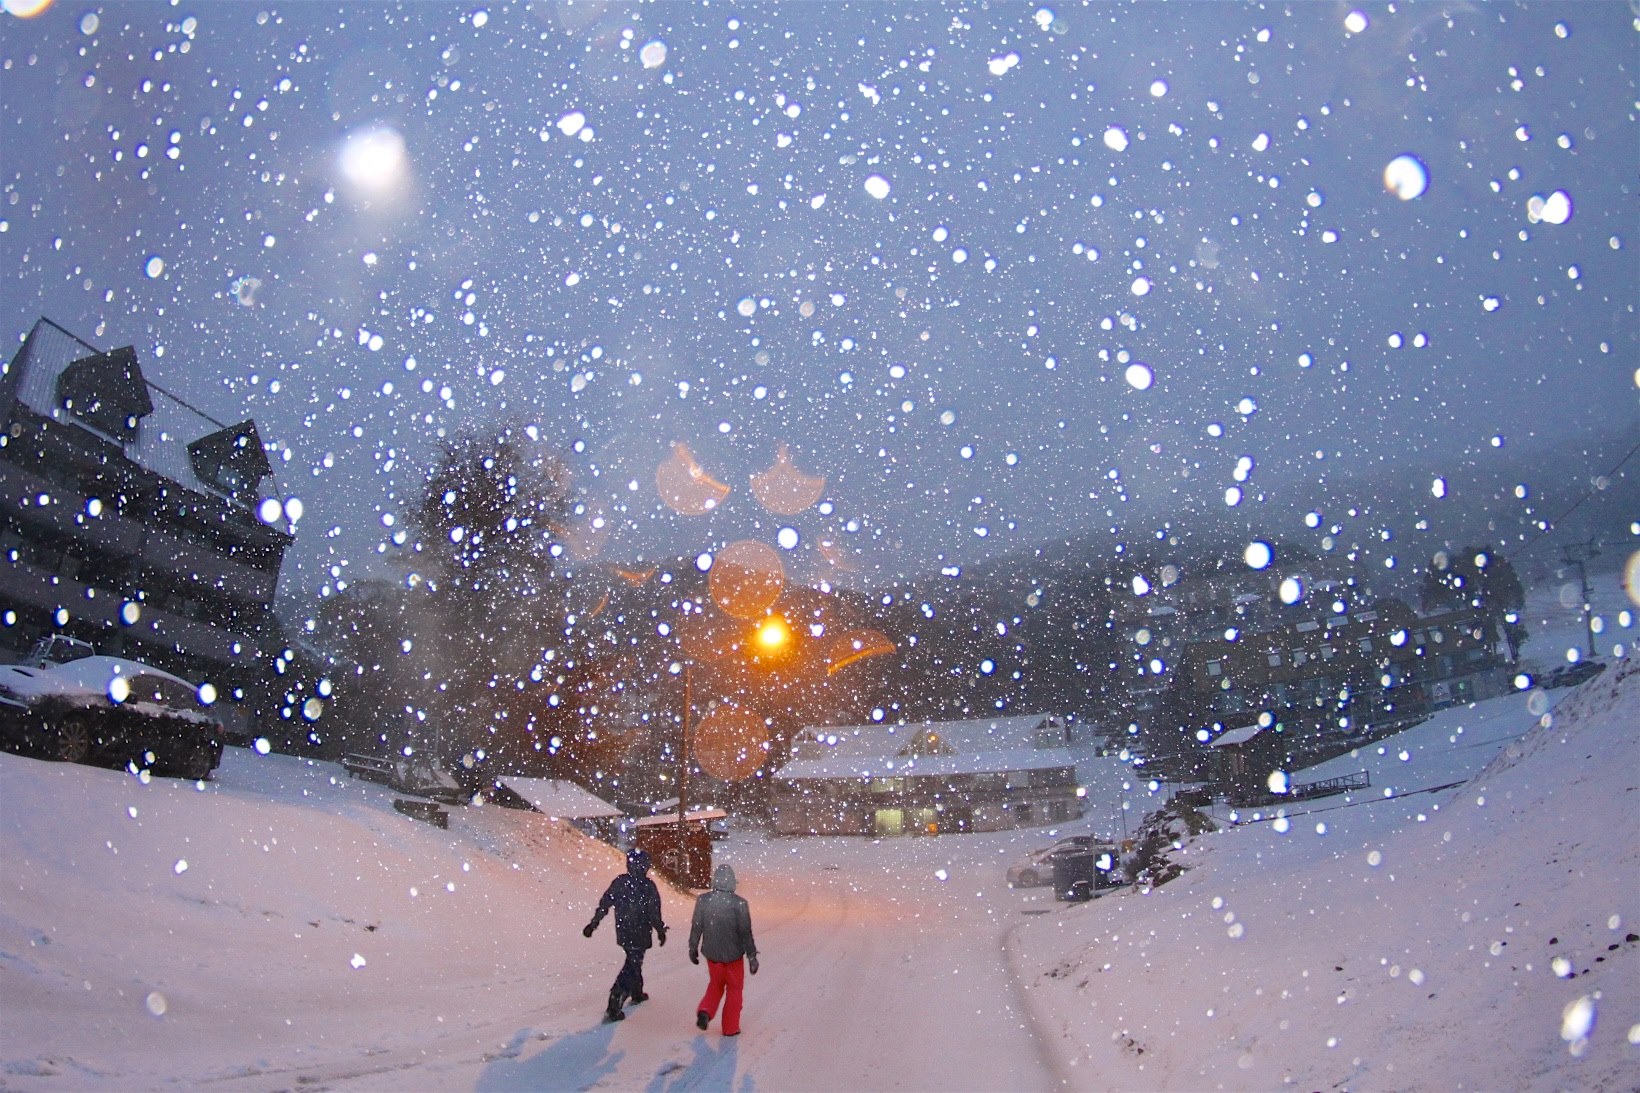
(727, 981)
(722, 929)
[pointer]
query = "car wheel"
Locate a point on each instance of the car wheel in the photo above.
(70, 741)
(1028, 879)
(198, 764)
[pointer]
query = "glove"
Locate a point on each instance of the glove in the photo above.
(661, 932)
(586, 931)
(751, 962)
(694, 958)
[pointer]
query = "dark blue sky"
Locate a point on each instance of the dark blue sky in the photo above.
(952, 356)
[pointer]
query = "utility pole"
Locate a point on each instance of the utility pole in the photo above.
(684, 758)
(1576, 554)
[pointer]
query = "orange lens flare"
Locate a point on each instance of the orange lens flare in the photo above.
(684, 485)
(746, 578)
(785, 489)
(854, 646)
(731, 743)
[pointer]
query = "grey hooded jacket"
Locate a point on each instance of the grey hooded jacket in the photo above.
(722, 925)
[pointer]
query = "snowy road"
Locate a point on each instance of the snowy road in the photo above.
(869, 980)
(284, 927)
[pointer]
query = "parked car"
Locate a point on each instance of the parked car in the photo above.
(1036, 868)
(109, 711)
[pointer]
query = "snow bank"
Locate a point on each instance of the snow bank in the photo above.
(1483, 937)
(159, 931)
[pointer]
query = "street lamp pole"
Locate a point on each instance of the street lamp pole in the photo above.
(683, 754)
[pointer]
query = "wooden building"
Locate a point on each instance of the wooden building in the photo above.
(930, 778)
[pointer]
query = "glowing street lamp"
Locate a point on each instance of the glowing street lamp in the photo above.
(770, 639)
(769, 642)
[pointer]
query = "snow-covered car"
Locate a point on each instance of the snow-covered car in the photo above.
(1570, 675)
(1036, 868)
(109, 711)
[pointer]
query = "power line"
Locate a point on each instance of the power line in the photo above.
(1554, 524)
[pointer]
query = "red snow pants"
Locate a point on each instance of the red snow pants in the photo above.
(726, 983)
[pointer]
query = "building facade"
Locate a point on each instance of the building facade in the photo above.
(927, 779)
(1332, 677)
(134, 521)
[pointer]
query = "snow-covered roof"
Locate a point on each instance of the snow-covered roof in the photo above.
(1236, 736)
(895, 766)
(560, 799)
(696, 815)
(980, 746)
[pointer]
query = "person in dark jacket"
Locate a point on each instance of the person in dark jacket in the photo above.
(722, 929)
(637, 904)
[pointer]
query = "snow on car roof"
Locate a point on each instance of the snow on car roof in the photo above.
(30, 683)
(89, 682)
(97, 672)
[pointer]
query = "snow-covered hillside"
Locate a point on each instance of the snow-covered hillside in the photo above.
(1482, 937)
(161, 930)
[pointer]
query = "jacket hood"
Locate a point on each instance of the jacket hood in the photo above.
(723, 879)
(637, 863)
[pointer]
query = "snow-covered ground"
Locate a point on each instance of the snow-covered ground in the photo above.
(1482, 937)
(281, 926)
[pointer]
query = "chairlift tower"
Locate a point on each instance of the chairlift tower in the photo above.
(1576, 554)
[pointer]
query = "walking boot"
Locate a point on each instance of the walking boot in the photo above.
(613, 1013)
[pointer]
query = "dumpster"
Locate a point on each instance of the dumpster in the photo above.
(681, 852)
(1073, 873)
(1079, 872)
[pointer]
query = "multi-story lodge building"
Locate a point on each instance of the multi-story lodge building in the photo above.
(132, 520)
(928, 779)
(1334, 677)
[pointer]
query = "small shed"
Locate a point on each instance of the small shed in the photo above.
(681, 851)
